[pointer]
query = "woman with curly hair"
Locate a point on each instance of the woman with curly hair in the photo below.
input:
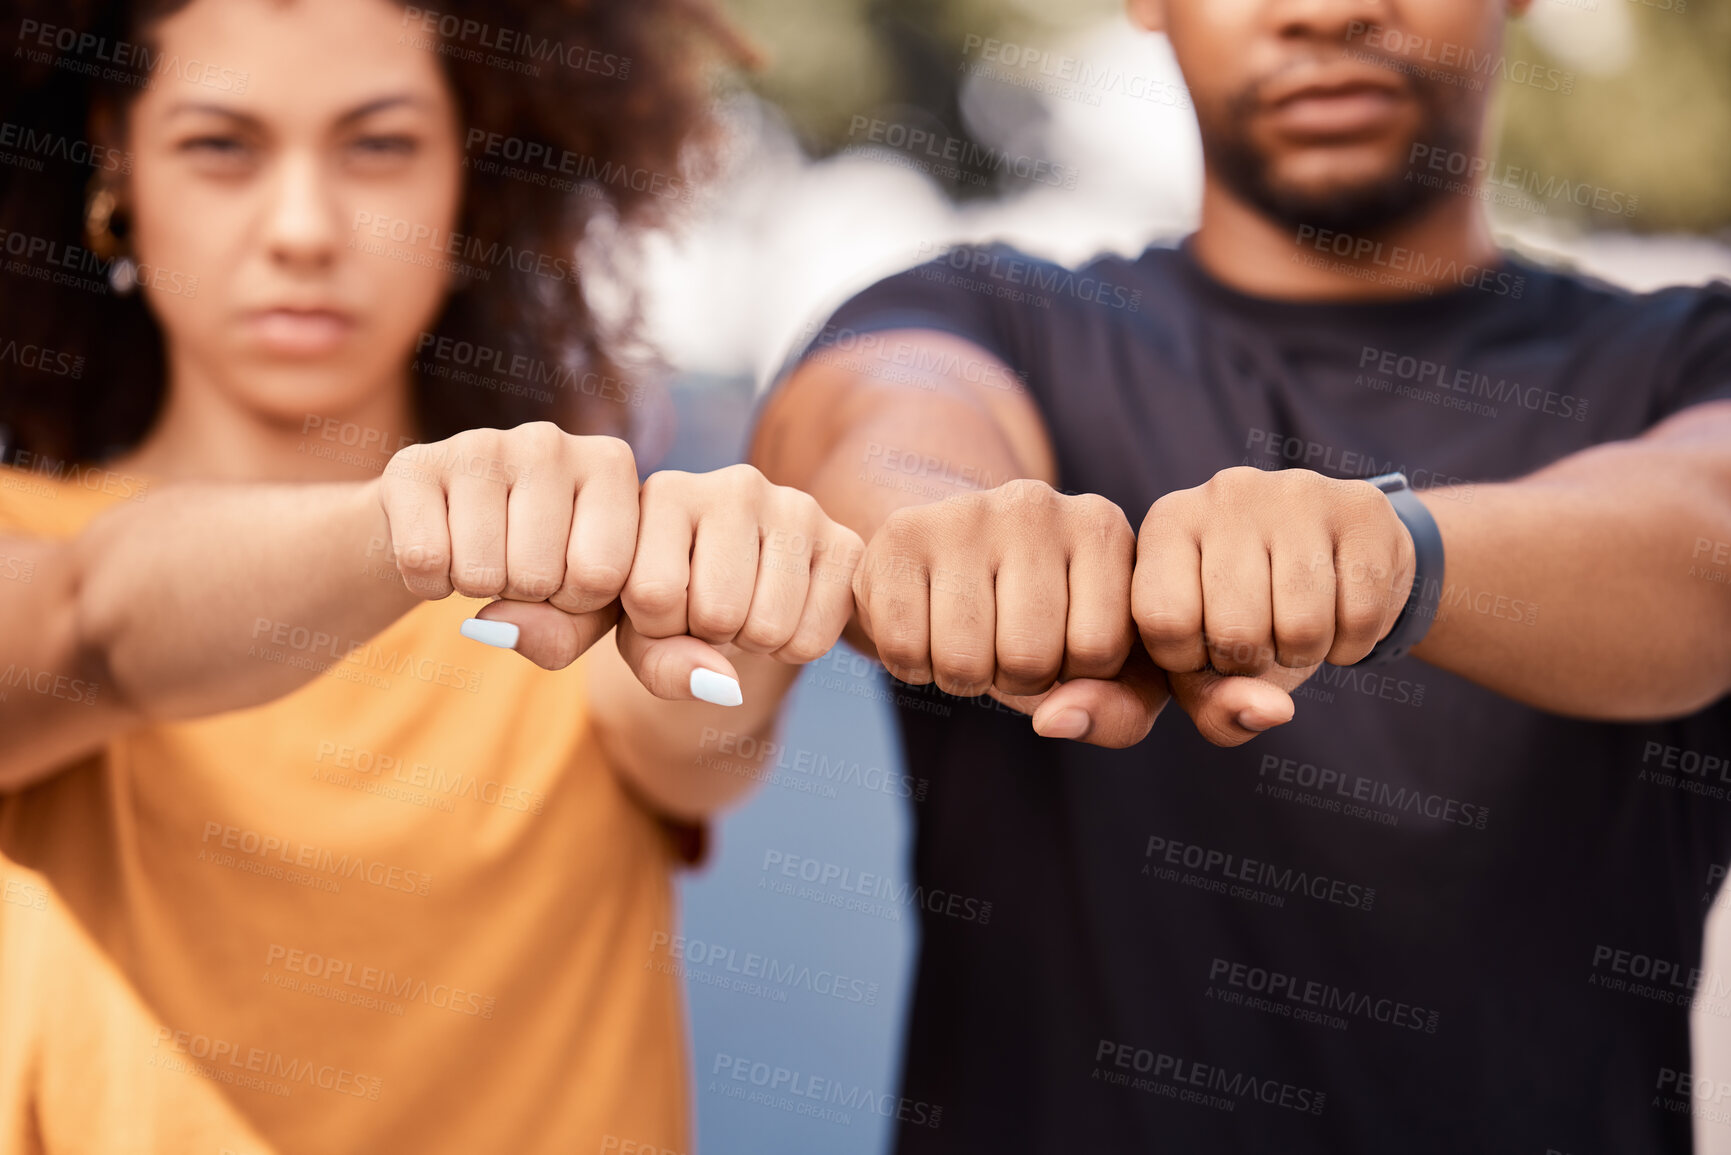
(295, 346)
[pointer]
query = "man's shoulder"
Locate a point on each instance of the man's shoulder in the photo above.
(1577, 295)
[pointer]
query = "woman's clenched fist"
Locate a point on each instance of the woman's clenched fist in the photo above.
(557, 528)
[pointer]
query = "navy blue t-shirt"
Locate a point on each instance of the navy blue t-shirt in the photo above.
(1420, 917)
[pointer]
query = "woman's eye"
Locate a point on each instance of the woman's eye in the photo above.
(386, 146)
(225, 147)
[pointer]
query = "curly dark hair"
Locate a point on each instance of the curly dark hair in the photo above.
(619, 85)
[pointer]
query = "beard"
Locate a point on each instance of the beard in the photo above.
(1366, 207)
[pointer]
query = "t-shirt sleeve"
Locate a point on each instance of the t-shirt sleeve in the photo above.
(976, 293)
(1698, 364)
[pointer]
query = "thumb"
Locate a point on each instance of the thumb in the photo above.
(541, 632)
(1231, 709)
(1111, 712)
(681, 668)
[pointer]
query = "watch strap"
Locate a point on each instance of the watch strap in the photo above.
(1419, 611)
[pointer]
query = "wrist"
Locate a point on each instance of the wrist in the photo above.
(1418, 611)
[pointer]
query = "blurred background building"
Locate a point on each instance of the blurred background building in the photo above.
(881, 131)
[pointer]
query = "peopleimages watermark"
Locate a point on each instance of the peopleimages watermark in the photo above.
(1202, 1084)
(958, 157)
(469, 254)
(42, 359)
(1351, 463)
(1456, 387)
(307, 648)
(795, 767)
(32, 145)
(817, 1097)
(1063, 76)
(254, 846)
(1691, 771)
(1695, 1095)
(477, 42)
(365, 985)
(1447, 62)
(1716, 567)
(119, 61)
(40, 474)
(48, 684)
(1368, 258)
(864, 891)
(751, 972)
(1478, 173)
(472, 363)
(1359, 795)
(903, 360)
(1239, 877)
(536, 162)
(257, 1061)
(1012, 276)
(416, 782)
(75, 267)
(1309, 1000)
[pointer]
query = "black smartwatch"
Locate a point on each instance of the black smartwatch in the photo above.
(1427, 574)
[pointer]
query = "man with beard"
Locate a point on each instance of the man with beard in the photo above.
(1446, 901)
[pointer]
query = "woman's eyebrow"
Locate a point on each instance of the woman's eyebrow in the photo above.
(359, 112)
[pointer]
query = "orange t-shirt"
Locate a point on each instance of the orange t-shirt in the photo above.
(407, 908)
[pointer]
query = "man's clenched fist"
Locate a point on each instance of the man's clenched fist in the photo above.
(1009, 591)
(1265, 574)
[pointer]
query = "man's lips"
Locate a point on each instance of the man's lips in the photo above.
(1336, 112)
(1335, 102)
(298, 332)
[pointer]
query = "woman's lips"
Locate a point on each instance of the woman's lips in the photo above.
(299, 332)
(1320, 113)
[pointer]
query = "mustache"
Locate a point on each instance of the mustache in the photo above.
(1398, 71)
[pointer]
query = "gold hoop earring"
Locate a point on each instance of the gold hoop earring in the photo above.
(100, 211)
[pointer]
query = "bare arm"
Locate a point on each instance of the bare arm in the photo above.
(158, 610)
(866, 441)
(977, 575)
(1588, 588)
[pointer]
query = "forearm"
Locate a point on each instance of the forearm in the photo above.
(689, 759)
(186, 605)
(1583, 589)
(190, 601)
(866, 448)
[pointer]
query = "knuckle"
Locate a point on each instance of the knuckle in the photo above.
(1241, 647)
(764, 635)
(609, 453)
(1096, 648)
(901, 650)
(666, 485)
(422, 560)
(1305, 630)
(480, 581)
(801, 649)
(741, 480)
(1169, 512)
(1359, 619)
(1023, 494)
(653, 599)
(542, 435)
(1235, 479)
(595, 579)
(716, 617)
(534, 585)
(1166, 625)
(1023, 662)
(963, 672)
